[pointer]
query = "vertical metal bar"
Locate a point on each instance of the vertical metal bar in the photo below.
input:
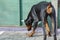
(58, 17)
(58, 13)
(20, 12)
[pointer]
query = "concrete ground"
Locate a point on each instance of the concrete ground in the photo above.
(21, 35)
(16, 35)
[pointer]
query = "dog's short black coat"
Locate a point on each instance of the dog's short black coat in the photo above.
(38, 13)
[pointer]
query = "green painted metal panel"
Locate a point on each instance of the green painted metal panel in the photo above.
(9, 12)
(59, 17)
(48, 0)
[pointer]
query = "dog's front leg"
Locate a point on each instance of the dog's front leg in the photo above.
(31, 33)
(35, 23)
(44, 30)
(47, 28)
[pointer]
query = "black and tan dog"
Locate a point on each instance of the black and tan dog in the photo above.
(40, 12)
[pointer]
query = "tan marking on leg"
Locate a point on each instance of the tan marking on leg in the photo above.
(31, 34)
(47, 28)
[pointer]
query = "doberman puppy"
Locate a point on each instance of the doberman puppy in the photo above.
(40, 12)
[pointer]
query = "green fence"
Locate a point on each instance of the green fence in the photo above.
(9, 13)
(58, 16)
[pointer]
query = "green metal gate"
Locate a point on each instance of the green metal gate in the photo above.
(9, 13)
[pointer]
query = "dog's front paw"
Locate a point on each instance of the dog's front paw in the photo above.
(45, 37)
(30, 34)
(55, 38)
(49, 33)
